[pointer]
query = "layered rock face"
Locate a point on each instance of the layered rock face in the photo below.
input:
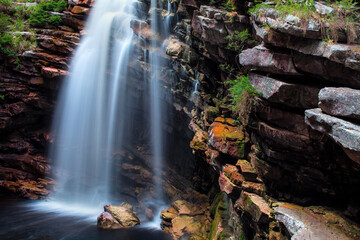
(300, 144)
(29, 88)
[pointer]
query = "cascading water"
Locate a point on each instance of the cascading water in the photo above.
(86, 123)
(92, 119)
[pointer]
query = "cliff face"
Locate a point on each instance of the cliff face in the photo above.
(28, 88)
(300, 143)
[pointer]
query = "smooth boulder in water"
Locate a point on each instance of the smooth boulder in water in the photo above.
(116, 217)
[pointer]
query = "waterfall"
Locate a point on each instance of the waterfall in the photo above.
(195, 91)
(92, 118)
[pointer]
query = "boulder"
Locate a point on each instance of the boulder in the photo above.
(344, 133)
(263, 59)
(341, 102)
(106, 221)
(289, 94)
(118, 217)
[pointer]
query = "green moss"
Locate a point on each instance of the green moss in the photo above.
(197, 145)
(219, 213)
(211, 112)
(242, 236)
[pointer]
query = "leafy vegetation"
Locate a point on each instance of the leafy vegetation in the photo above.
(229, 6)
(16, 19)
(237, 40)
(243, 96)
(41, 17)
(343, 18)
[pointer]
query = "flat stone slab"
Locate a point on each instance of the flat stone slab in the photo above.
(266, 60)
(255, 205)
(345, 133)
(289, 94)
(313, 223)
(342, 102)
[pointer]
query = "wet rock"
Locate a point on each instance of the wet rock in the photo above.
(186, 220)
(175, 48)
(345, 133)
(263, 59)
(314, 223)
(118, 217)
(289, 94)
(106, 221)
(142, 29)
(341, 102)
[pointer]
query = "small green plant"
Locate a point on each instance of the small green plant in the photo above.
(226, 67)
(229, 6)
(243, 97)
(237, 40)
(2, 96)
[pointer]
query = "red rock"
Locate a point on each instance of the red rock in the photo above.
(225, 184)
(232, 173)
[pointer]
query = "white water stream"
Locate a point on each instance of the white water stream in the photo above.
(88, 122)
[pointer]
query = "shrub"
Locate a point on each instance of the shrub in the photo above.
(40, 16)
